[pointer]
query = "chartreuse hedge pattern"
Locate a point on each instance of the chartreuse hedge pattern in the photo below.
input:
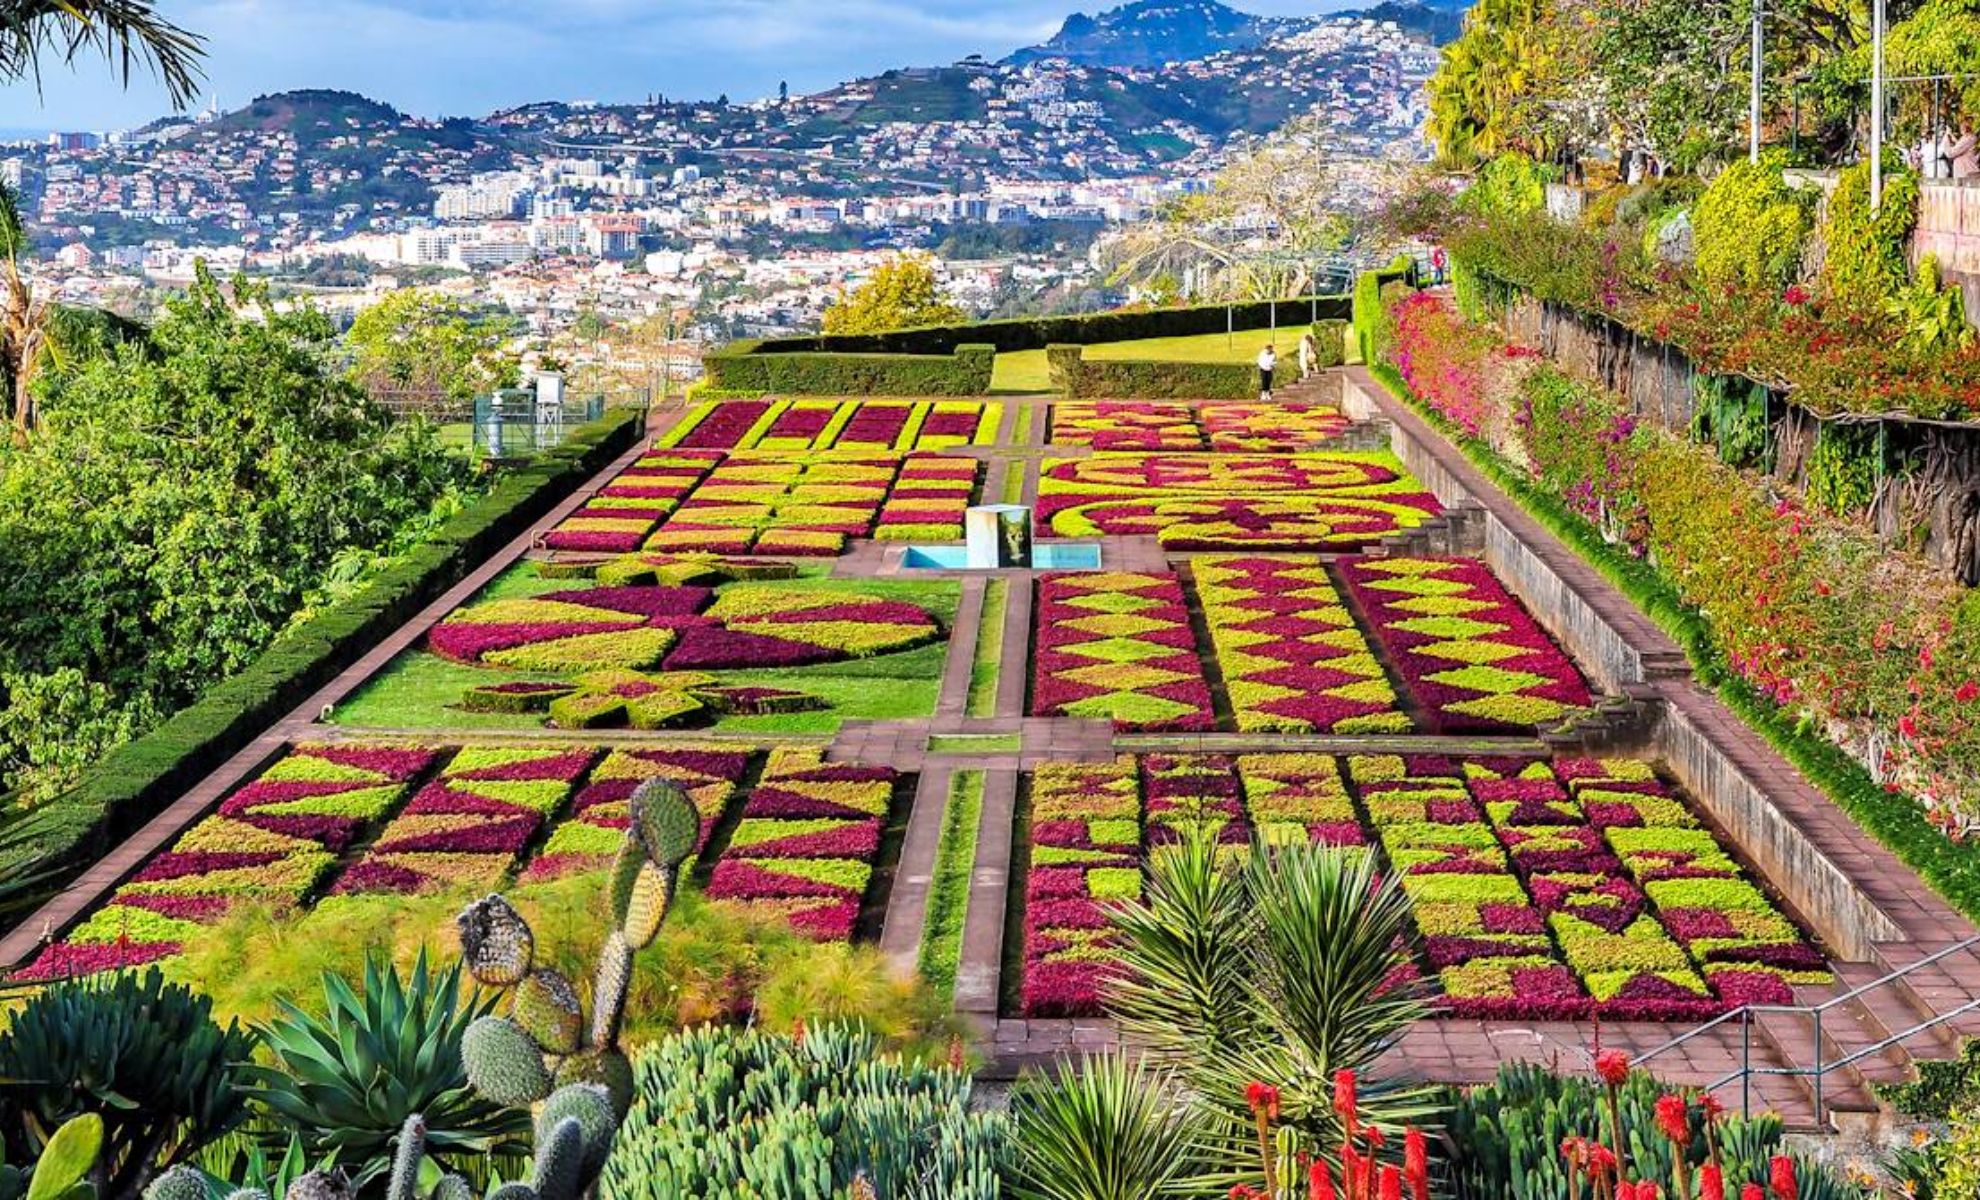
(1222, 426)
(270, 843)
(809, 504)
(1542, 891)
(1297, 502)
(1291, 656)
(1118, 645)
(1473, 659)
(796, 425)
(599, 815)
(633, 628)
(808, 842)
(467, 829)
(618, 518)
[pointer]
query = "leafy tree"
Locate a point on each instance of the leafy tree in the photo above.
(902, 293)
(426, 343)
(127, 32)
(183, 496)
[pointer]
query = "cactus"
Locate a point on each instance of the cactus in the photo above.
(319, 1184)
(496, 942)
(665, 820)
(513, 1191)
(609, 1069)
(559, 1162)
(546, 1007)
(247, 1193)
(504, 1063)
(608, 990)
(588, 1105)
(453, 1187)
(405, 1163)
(177, 1183)
(641, 903)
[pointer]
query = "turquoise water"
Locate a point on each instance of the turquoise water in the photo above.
(1045, 556)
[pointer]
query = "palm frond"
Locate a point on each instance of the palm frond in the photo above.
(128, 33)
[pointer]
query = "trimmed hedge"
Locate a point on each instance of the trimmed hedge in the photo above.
(1036, 333)
(136, 779)
(1332, 338)
(1369, 314)
(1080, 378)
(748, 366)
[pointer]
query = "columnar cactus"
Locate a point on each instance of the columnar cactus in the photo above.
(545, 1040)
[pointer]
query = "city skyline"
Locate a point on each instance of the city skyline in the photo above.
(471, 61)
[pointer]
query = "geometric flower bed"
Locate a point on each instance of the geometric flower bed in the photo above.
(1292, 658)
(271, 842)
(1299, 502)
(1118, 645)
(1472, 658)
(1249, 428)
(612, 698)
(927, 500)
(807, 842)
(637, 627)
(591, 836)
(624, 511)
(798, 425)
(1575, 889)
(466, 828)
(1225, 427)
(808, 505)
(1085, 854)
(1542, 891)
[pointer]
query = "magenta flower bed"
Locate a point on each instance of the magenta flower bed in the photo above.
(1119, 646)
(1471, 657)
(806, 846)
(723, 427)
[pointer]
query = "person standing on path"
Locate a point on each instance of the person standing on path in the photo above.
(1965, 163)
(1268, 358)
(1309, 355)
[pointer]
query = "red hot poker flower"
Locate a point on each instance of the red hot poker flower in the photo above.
(1674, 1118)
(1780, 1173)
(1416, 1163)
(1612, 1066)
(1711, 1182)
(1319, 1184)
(1391, 1183)
(1752, 1191)
(1344, 1103)
(1263, 1099)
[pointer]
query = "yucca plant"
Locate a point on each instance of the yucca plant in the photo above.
(349, 1080)
(1282, 970)
(1107, 1128)
(143, 1054)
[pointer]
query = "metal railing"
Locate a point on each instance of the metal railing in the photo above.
(1823, 1065)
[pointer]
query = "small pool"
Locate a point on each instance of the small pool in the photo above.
(1045, 556)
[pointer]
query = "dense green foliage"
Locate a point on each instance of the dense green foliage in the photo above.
(182, 498)
(1105, 1128)
(131, 781)
(429, 346)
(141, 1053)
(348, 1079)
(1083, 378)
(742, 1112)
(901, 294)
(1863, 252)
(1749, 225)
(744, 366)
(1943, 1089)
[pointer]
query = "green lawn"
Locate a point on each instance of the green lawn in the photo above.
(422, 691)
(985, 667)
(948, 891)
(1024, 370)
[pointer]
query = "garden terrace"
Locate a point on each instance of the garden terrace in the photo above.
(1302, 629)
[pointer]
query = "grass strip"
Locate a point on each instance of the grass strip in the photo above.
(948, 892)
(988, 662)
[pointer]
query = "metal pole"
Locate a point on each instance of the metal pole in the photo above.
(1821, 1120)
(1745, 1061)
(1876, 105)
(1230, 328)
(1753, 101)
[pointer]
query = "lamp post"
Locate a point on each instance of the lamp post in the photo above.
(1876, 104)
(1753, 99)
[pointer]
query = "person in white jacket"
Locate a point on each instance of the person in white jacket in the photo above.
(1267, 360)
(1309, 355)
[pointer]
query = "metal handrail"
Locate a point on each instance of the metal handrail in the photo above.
(1819, 1072)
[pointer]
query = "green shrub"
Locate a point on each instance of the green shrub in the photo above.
(1373, 329)
(1843, 467)
(1749, 227)
(1081, 378)
(143, 1054)
(741, 1112)
(1509, 185)
(1944, 1087)
(1863, 252)
(1330, 339)
(128, 786)
(747, 366)
(1082, 329)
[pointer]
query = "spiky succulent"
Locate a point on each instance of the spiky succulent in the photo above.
(609, 1069)
(496, 942)
(665, 822)
(588, 1107)
(320, 1184)
(547, 1008)
(182, 1182)
(504, 1063)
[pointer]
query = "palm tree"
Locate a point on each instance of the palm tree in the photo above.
(129, 33)
(26, 320)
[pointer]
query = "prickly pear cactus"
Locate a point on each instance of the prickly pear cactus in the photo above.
(547, 1008)
(665, 822)
(177, 1183)
(504, 1063)
(320, 1184)
(496, 942)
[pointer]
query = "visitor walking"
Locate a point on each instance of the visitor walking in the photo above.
(1267, 360)
(1309, 355)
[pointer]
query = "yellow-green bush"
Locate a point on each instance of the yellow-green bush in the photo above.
(1749, 226)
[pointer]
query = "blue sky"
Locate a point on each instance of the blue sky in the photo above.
(466, 57)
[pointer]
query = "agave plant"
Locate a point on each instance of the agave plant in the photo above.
(348, 1081)
(1282, 971)
(1107, 1128)
(143, 1054)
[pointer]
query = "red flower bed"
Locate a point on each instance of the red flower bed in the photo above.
(1118, 645)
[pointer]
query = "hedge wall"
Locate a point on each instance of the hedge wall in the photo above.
(1036, 333)
(1368, 314)
(138, 778)
(748, 366)
(1079, 378)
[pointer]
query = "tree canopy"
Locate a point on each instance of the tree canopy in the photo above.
(424, 343)
(902, 293)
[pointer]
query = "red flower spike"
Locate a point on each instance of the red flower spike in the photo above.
(1612, 1066)
(1674, 1118)
(1319, 1184)
(1391, 1183)
(1752, 1191)
(1780, 1174)
(1376, 1138)
(1344, 1101)
(1711, 1182)
(1416, 1163)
